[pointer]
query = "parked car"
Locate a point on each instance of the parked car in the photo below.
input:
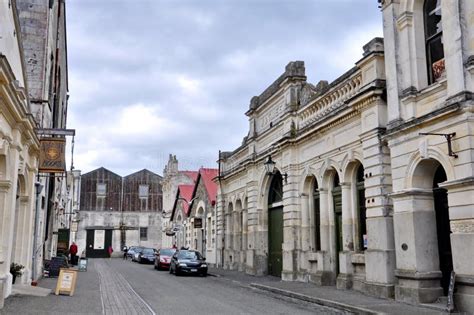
(131, 251)
(163, 258)
(188, 261)
(146, 255)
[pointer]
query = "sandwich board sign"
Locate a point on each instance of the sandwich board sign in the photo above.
(66, 282)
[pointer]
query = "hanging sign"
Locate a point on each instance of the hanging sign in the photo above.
(74, 226)
(99, 239)
(52, 155)
(66, 282)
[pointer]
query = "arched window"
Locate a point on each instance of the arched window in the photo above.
(434, 39)
(362, 208)
(317, 217)
(276, 189)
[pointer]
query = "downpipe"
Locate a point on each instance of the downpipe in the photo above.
(39, 188)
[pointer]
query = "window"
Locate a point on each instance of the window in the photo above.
(276, 189)
(143, 234)
(434, 40)
(101, 189)
(143, 191)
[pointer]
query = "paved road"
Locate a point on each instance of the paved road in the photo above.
(121, 287)
(169, 294)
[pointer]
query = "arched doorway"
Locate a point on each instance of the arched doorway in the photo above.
(440, 200)
(337, 207)
(275, 226)
(360, 188)
(317, 216)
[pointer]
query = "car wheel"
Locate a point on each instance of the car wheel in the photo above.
(176, 272)
(204, 274)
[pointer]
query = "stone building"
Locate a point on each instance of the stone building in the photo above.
(19, 154)
(172, 178)
(306, 220)
(116, 211)
(194, 215)
(430, 71)
(44, 42)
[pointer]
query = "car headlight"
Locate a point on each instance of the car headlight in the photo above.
(183, 265)
(203, 265)
(162, 260)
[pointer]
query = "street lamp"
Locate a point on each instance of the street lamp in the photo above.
(269, 165)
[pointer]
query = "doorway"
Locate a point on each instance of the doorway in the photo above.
(440, 196)
(275, 226)
(337, 203)
(97, 243)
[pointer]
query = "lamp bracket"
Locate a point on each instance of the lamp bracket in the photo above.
(448, 137)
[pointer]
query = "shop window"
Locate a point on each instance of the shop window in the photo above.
(143, 234)
(434, 40)
(276, 189)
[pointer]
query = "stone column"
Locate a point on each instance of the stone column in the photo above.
(344, 279)
(255, 260)
(244, 238)
(380, 252)
(417, 247)
(305, 224)
(324, 274)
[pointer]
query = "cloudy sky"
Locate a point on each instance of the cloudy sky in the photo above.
(153, 77)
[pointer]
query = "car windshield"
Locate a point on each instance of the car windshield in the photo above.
(148, 251)
(139, 249)
(188, 255)
(167, 252)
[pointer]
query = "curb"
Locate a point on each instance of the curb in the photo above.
(311, 299)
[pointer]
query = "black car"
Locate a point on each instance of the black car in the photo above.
(188, 261)
(146, 255)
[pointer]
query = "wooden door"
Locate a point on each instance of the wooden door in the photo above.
(275, 241)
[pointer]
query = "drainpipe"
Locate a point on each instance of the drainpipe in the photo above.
(39, 188)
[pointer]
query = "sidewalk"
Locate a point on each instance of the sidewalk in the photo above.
(86, 298)
(347, 300)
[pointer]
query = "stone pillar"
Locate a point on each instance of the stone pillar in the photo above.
(461, 213)
(324, 274)
(417, 247)
(344, 279)
(380, 252)
(305, 223)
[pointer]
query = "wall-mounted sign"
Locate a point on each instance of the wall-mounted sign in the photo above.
(74, 226)
(197, 223)
(52, 155)
(99, 239)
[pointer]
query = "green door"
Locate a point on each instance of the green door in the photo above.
(275, 241)
(337, 198)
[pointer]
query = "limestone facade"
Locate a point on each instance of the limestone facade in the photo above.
(430, 73)
(19, 153)
(325, 140)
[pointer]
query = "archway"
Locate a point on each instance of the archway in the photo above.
(337, 208)
(275, 225)
(361, 208)
(428, 174)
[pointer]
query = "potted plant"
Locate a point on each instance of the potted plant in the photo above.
(16, 270)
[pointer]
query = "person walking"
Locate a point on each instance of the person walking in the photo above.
(73, 253)
(110, 250)
(125, 251)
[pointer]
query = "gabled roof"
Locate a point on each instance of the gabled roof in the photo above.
(191, 174)
(99, 169)
(207, 175)
(185, 192)
(143, 171)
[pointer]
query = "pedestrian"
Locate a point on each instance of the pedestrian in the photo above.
(73, 253)
(174, 246)
(110, 250)
(125, 251)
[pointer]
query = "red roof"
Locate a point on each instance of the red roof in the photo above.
(186, 192)
(191, 174)
(208, 175)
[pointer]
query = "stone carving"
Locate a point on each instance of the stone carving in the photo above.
(306, 93)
